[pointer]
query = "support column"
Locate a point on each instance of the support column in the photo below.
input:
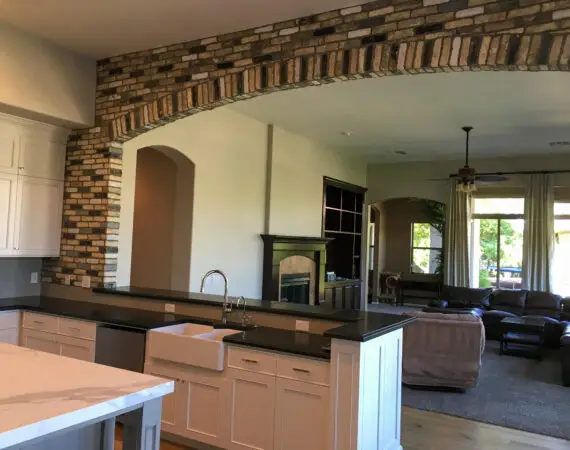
(366, 393)
(142, 427)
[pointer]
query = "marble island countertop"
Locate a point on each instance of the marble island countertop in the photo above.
(42, 393)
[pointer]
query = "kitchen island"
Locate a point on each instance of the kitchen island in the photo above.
(51, 402)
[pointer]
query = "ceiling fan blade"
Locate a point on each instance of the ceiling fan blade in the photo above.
(490, 178)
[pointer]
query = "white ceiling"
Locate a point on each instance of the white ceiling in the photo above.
(514, 113)
(101, 28)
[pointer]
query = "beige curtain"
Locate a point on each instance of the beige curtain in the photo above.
(456, 248)
(538, 247)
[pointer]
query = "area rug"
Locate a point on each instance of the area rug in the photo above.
(512, 392)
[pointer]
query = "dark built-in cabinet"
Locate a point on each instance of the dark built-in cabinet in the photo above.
(343, 215)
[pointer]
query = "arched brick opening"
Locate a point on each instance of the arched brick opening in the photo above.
(141, 91)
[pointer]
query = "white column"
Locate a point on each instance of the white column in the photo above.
(366, 393)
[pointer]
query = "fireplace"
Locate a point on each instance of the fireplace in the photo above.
(295, 288)
(294, 268)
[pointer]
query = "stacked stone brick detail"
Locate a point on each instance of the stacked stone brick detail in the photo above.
(140, 91)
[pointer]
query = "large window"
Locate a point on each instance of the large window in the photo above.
(497, 242)
(426, 248)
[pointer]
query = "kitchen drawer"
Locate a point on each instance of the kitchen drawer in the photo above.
(252, 360)
(40, 322)
(76, 348)
(77, 328)
(9, 319)
(303, 369)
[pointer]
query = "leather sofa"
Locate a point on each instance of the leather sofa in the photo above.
(565, 355)
(442, 350)
(494, 306)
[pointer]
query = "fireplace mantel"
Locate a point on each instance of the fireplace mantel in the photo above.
(278, 247)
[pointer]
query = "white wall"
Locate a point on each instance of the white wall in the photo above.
(299, 165)
(41, 81)
(229, 152)
(387, 181)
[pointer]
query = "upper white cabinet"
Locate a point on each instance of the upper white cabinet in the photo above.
(32, 166)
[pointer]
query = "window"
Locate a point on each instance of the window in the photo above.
(560, 279)
(426, 249)
(497, 242)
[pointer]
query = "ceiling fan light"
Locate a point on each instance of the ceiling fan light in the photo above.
(466, 187)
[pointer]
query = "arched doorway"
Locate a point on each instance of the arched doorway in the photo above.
(162, 220)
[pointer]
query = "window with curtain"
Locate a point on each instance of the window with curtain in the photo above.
(560, 278)
(497, 242)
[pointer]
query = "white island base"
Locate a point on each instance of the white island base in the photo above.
(50, 402)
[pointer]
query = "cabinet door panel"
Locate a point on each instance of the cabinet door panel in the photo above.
(8, 188)
(38, 340)
(9, 336)
(173, 414)
(8, 149)
(38, 217)
(204, 408)
(41, 157)
(301, 416)
(251, 410)
(77, 348)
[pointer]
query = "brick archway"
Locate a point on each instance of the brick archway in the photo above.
(141, 91)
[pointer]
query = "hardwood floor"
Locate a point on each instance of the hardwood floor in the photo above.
(423, 430)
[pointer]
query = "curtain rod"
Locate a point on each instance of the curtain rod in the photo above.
(520, 172)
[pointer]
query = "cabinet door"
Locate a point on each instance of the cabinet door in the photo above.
(251, 410)
(41, 157)
(38, 217)
(8, 148)
(301, 416)
(9, 336)
(77, 348)
(173, 413)
(204, 408)
(38, 340)
(8, 191)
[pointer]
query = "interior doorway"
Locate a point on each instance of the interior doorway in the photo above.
(162, 223)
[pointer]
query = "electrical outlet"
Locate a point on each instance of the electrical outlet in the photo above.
(34, 278)
(86, 281)
(67, 280)
(302, 325)
(170, 308)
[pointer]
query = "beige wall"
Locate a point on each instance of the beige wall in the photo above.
(41, 81)
(299, 166)
(153, 222)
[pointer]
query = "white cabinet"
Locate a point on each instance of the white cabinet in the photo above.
(76, 348)
(41, 157)
(32, 166)
(38, 217)
(39, 340)
(204, 398)
(9, 327)
(301, 416)
(251, 410)
(8, 191)
(173, 414)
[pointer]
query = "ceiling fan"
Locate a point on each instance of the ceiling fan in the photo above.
(467, 177)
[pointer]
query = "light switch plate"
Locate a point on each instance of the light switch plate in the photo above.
(67, 280)
(86, 281)
(169, 308)
(302, 325)
(34, 278)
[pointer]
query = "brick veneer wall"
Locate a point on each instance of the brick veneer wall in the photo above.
(140, 91)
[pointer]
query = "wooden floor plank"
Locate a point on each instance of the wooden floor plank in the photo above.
(424, 430)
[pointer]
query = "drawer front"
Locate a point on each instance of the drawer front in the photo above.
(9, 319)
(76, 348)
(77, 328)
(252, 360)
(40, 322)
(303, 369)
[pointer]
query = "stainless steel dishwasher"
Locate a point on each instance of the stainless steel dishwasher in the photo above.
(121, 347)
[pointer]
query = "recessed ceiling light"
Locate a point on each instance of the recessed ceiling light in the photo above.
(400, 152)
(346, 133)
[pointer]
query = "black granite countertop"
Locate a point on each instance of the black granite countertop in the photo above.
(296, 342)
(371, 326)
(290, 309)
(113, 315)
